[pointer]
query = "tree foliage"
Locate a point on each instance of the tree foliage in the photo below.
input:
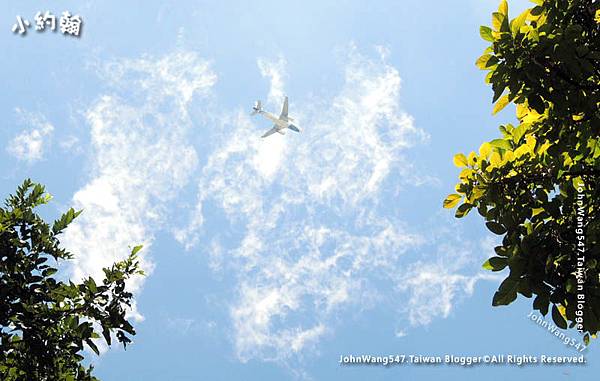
(44, 321)
(536, 184)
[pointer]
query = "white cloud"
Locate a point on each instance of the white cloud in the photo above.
(274, 70)
(318, 233)
(71, 143)
(433, 290)
(303, 225)
(31, 144)
(185, 326)
(141, 157)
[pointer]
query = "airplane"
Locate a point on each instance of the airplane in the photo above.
(281, 123)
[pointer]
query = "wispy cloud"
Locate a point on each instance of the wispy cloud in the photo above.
(275, 71)
(141, 157)
(318, 230)
(433, 287)
(305, 226)
(31, 144)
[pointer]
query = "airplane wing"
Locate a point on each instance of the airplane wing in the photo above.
(284, 111)
(270, 132)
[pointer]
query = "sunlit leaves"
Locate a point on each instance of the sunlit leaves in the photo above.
(501, 143)
(516, 24)
(545, 62)
(503, 7)
(484, 150)
(460, 160)
(500, 104)
(486, 61)
(519, 132)
(497, 20)
(452, 200)
(486, 33)
(495, 264)
(463, 210)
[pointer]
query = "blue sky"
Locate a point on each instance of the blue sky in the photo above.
(268, 259)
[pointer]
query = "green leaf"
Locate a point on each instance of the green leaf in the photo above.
(497, 20)
(541, 303)
(495, 227)
(486, 61)
(486, 33)
(507, 292)
(495, 263)
(49, 272)
(91, 344)
(60, 224)
(136, 249)
(106, 334)
(500, 22)
(501, 143)
(536, 102)
(463, 210)
(519, 132)
(524, 288)
(559, 320)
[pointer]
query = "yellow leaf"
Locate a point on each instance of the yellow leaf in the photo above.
(503, 8)
(465, 173)
(536, 211)
(460, 160)
(597, 16)
(529, 115)
(495, 159)
(530, 141)
(482, 61)
(543, 148)
(500, 104)
(520, 131)
(522, 150)
(477, 193)
(452, 200)
(562, 310)
(516, 24)
(472, 159)
(484, 150)
(508, 156)
(497, 20)
(521, 111)
(578, 117)
(488, 77)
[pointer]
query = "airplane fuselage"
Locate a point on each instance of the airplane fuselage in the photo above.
(280, 123)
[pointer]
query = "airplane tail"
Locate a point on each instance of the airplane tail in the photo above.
(257, 108)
